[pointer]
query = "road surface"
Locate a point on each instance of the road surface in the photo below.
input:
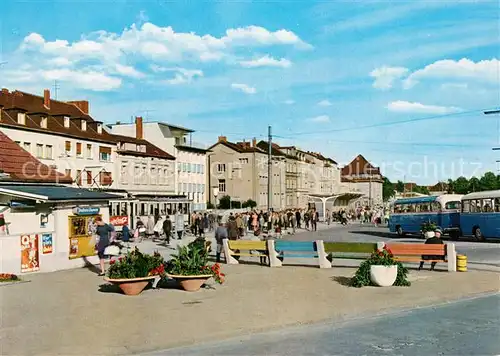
(470, 327)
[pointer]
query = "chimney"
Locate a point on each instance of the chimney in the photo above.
(222, 139)
(138, 128)
(83, 105)
(254, 142)
(5, 91)
(46, 98)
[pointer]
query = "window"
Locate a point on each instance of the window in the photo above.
(67, 147)
(153, 175)
(48, 151)
(189, 167)
(243, 160)
(124, 173)
(184, 187)
(89, 151)
(104, 153)
(221, 167)
(79, 149)
(202, 168)
(222, 185)
(43, 123)
(144, 177)
(137, 175)
(184, 167)
(179, 166)
(452, 205)
(465, 206)
(39, 150)
(90, 179)
(166, 175)
(27, 146)
(21, 118)
(66, 121)
(79, 177)
(105, 178)
(179, 188)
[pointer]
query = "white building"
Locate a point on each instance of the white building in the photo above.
(190, 175)
(65, 137)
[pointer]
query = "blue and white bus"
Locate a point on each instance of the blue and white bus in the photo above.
(408, 214)
(480, 215)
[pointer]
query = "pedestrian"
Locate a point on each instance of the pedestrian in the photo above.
(328, 217)
(150, 227)
(125, 233)
(314, 220)
(167, 228)
(220, 235)
(436, 240)
(103, 230)
(179, 225)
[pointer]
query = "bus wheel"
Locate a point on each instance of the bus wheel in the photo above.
(478, 235)
(400, 231)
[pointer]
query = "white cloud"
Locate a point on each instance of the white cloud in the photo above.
(267, 61)
(419, 108)
(244, 88)
(320, 119)
(386, 76)
(128, 71)
(289, 102)
(182, 75)
(454, 86)
(484, 71)
(325, 103)
(259, 35)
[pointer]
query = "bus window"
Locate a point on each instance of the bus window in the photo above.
(475, 206)
(452, 205)
(411, 208)
(142, 211)
(124, 209)
(497, 205)
(466, 206)
(487, 205)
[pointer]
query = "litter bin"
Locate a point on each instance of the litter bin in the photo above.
(461, 263)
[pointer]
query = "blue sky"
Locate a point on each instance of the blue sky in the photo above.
(403, 83)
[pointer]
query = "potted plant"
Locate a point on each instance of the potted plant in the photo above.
(133, 272)
(428, 229)
(381, 269)
(9, 277)
(190, 267)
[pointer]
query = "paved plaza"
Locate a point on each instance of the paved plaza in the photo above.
(74, 312)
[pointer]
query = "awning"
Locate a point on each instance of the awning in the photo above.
(54, 193)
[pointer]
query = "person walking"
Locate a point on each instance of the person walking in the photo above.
(103, 230)
(179, 225)
(328, 217)
(297, 218)
(150, 227)
(167, 229)
(220, 234)
(314, 220)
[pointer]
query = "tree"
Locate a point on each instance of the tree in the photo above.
(474, 185)
(421, 189)
(249, 204)
(488, 181)
(451, 186)
(224, 202)
(400, 186)
(235, 204)
(461, 185)
(210, 205)
(387, 189)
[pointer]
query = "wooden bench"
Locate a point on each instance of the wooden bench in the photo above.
(351, 250)
(247, 246)
(279, 250)
(413, 253)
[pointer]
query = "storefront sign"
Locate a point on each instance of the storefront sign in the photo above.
(86, 211)
(47, 244)
(82, 236)
(29, 253)
(118, 220)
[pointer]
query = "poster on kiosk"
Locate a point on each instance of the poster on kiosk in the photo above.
(82, 232)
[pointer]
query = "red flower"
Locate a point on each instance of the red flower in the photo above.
(112, 262)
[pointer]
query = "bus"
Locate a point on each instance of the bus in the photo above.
(408, 214)
(480, 215)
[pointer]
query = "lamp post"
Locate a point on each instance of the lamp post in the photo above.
(298, 196)
(215, 191)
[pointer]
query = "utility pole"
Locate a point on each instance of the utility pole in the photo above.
(269, 171)
(56, 88)
(495, 112)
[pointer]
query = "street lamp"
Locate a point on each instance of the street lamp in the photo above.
(215, 191)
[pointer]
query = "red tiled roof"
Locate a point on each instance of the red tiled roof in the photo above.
(360, 166)
(33, 105)
(242, 147)
(22, 166)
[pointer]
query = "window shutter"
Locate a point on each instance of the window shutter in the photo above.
(78, 148)
(106, 150)
(68, 145)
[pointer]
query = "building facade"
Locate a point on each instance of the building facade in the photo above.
(190, 174)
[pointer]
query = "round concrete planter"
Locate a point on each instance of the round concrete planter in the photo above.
(190, 283)
(383, 276)
(131, 286)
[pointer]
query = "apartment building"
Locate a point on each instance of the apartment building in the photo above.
(63, 136)
(361, 176)
(190, 174)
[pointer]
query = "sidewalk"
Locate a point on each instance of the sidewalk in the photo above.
(66, 313)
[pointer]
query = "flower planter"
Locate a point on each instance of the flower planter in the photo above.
(383, 276)
(190, 283)
(131, 286)
(429, 234)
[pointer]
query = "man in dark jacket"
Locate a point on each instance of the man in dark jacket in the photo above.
(220, 234)
(297, 217)
(167, 228)
(436, 240)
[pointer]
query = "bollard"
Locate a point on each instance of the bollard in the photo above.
(461, 263)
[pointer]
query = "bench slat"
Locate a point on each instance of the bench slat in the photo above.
(409, 259)
(302, 246)
(293, 255)
(417, 249)
(249, 254)
(247, 245)
(353, 247)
